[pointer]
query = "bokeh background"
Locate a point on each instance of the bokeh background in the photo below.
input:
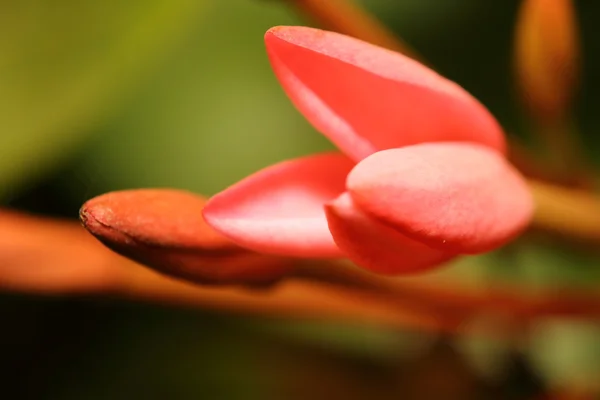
(99, 96)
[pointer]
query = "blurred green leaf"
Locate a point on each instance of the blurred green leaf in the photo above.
(529, 264)
(213, 115)
(488, 356)
(412, 15)
(359, 340)
(65, 64)
(567, 352)
(545, 265)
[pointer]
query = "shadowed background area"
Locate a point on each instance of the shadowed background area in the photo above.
(103, 96)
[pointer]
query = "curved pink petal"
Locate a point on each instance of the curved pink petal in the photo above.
(375, 246)
(279, 210)
(366, 98)
(459, 197)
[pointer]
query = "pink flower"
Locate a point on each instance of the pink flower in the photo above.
(421, 176)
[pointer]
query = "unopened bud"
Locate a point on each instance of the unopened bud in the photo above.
(165, 230)
(547, 56)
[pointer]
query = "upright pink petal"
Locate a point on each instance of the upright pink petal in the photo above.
(279, 210)
(366, 98)
(375, 246)
(459, 197)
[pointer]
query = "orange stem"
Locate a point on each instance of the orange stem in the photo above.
(58, 257)
(570, 214)
(456, 301)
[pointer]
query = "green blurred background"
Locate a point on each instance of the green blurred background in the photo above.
(99, 96)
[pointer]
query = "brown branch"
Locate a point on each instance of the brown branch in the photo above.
(55, 257)
(570, 214)
(291, 299)
(455, 302)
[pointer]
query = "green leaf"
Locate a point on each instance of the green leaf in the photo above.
(557, 266)
(213, 115)
(531, 265)
(567, 353)
(359, 340)
(66, 64)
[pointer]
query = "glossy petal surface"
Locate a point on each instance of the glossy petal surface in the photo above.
(375, 246)
(279, 210)
(458, 197)
(366, 98)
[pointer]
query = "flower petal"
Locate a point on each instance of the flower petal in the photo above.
(366, 98)
(164, 229)
(375, 246)
(279, 210)
(458, 197)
